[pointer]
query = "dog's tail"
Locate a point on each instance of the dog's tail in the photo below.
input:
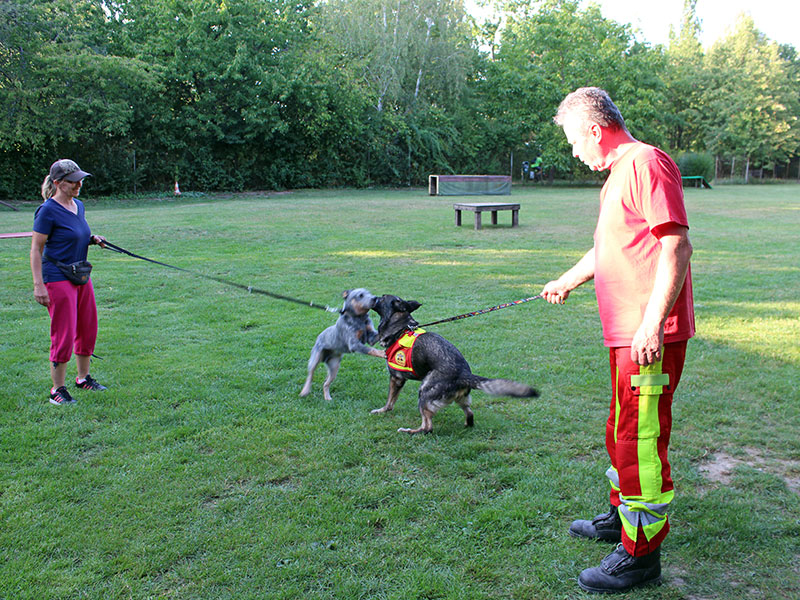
(502, 387)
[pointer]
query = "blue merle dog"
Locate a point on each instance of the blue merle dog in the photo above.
(352, 332)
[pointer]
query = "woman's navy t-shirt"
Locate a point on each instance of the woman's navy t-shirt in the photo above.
(68, 236)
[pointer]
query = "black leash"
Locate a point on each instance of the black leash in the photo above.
(483, 311)
(248, 288)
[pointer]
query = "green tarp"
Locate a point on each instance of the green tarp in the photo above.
(469, 185)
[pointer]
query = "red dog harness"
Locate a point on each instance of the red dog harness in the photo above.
(398, 355)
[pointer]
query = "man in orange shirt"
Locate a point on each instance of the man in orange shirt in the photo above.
(640, 266)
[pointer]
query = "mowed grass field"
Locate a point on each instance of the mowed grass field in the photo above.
(200, 473)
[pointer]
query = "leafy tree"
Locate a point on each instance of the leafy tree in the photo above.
(552, 47)
(284, 93)
(751, 101)
(790, 55)
(410, 60)
(403, 52)
(60, 87)
(225, 68)
(685, 81)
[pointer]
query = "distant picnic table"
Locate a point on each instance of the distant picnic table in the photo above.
(697, 180)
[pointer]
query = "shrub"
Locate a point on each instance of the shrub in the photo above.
(692, 164)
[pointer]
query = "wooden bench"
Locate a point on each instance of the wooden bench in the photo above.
(493, 207)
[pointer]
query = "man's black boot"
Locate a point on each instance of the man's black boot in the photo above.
(606, 527)
(619, 572)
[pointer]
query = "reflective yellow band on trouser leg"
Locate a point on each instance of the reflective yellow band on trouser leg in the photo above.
(639, 476)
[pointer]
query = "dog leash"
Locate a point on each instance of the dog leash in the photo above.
(481, 312)
(248, 288)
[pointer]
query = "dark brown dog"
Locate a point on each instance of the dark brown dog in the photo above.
(444, 372)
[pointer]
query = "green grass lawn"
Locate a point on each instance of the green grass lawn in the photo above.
(200, 473)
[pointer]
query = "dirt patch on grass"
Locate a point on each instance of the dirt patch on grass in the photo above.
(719, 467)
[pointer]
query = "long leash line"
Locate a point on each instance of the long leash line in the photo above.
(248, 288)
(253, 290)
(481, 312)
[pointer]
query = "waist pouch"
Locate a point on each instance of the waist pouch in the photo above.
(77, 272)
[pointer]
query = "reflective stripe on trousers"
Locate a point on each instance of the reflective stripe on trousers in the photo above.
(637, 440)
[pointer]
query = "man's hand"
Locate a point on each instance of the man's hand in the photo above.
(555, 292)
(646, 345)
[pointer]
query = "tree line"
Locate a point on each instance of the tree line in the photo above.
(273, 94)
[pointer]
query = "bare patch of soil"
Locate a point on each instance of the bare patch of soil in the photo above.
(720, 466)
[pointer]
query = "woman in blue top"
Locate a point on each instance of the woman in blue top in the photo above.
(60, 231)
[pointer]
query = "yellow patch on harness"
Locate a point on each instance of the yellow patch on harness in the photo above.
(398, 356)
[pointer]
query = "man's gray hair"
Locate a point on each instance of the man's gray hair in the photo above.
(594, 104)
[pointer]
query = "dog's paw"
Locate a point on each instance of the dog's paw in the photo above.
(412, 431)
(377, 411)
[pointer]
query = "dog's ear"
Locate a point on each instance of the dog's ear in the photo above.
(344, 293)
(413, 305)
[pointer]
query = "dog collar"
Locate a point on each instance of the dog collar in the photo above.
(398, 355)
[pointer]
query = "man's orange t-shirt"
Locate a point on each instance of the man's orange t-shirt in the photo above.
(643, 191)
